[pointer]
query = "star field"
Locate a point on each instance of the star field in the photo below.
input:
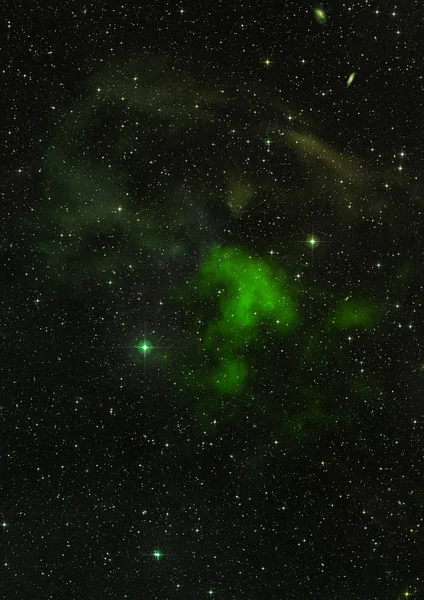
(212, 364)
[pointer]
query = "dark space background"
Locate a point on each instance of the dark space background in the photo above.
(137, 137)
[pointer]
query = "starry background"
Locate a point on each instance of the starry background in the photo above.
(211, 317)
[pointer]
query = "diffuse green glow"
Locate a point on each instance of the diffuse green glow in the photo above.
(92, 223)
(94, 228)
(230, 376)
(354, 313)
(82, 236)
(249, 295)
(250, 305)
(251, 292)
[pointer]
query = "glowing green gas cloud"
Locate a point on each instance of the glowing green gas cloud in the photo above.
(249, 306)
(250, 293)
(112, 208)
(254, 301)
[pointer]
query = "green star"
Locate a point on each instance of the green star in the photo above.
(157, 554)
(144, 346)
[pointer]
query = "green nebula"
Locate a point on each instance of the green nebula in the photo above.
(270, 349)
(124, 199)
(355, 313)
(254, 301)
(230, 376)
(249, 294)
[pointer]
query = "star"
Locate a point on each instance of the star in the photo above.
(144, 346)
(312, 241)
